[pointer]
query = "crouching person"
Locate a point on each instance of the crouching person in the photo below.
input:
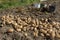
(51, 8)
(43, 8)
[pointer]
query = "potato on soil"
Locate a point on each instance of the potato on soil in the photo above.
(10, 30)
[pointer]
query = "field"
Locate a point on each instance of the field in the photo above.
(12, 3)
(20, 21)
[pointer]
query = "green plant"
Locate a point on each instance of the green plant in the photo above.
(9, 3)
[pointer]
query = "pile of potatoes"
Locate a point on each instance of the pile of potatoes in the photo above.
(32, 26)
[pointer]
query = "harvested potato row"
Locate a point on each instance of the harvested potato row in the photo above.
(43, 26)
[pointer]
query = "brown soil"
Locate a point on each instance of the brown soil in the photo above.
(25, 23)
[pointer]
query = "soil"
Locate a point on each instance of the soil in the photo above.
(27, 23)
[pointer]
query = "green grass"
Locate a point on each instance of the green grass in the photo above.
(9, 3)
